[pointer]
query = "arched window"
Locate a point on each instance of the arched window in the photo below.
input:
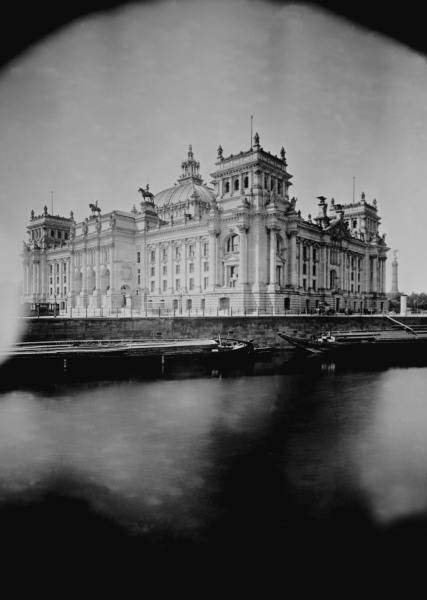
(333, 279)
(246, 182)
(236, 184)
(227, 187)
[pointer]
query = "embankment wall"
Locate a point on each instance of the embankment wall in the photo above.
(263, 330)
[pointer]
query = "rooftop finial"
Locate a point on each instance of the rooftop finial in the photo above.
(190, 151)
(220, 151)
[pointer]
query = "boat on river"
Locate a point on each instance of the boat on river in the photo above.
(128, 348)
(407, 341)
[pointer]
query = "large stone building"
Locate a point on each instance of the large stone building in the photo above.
(240, 246)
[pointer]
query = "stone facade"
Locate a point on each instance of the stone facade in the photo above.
(240, 246)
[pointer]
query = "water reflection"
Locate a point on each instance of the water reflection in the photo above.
(148, 447)
(241, 461)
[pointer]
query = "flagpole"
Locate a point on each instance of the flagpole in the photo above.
(252, 117)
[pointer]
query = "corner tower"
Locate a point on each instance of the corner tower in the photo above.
(256, 176)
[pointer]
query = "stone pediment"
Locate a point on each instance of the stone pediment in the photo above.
(339, 231)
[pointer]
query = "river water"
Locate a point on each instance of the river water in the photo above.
(311, 458)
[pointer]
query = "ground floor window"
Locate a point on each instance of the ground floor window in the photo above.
(202, 303)
(287, 303)
(189, 303)
(175, 304)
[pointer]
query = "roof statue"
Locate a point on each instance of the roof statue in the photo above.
(283, 155)
(145, 193)
(256, 141)
(220, 151)
(95, 208)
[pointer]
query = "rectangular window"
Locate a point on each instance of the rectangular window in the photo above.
(52, 233)
(65, 278)
(153, 255)
(50, 268)
(304, 269)
(65, 290)
(151, 286)
(165, 270)
(314, 284)
(57, 267)
(138, 257)
(177, 254)
(205, 249)
(206, 267)
(65, 236)
(165, 285)
(314, 254)
(153, 271)
(139, 276)
(177, 284)
(202, 303)
(164, 254)
(177, 269)
(304, 283)
(314, 270)
(59, 235)
(191, 283)
(191, 268)
(191, 251)
(50, 280)
(205, 282)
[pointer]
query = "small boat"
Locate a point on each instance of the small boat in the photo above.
(232, 345)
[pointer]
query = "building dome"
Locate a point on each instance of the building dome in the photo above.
(189, 186)
(183, 192)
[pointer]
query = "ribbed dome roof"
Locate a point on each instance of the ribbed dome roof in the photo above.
(183, 192)
(189, 183)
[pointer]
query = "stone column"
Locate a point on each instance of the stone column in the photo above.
(111, 267)
(301, 262)
(243, 256)
(84, 271)
(158, 280)
(171, 268)
(212, 260)
(310, 267)
(198, 270)
(272, 278)
(33, 278)
(71, 268)
(375, 274)
(43, 274)
(293, 261)
(98, 269)
(184, 267)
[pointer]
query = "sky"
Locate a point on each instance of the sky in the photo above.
(111, 102)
